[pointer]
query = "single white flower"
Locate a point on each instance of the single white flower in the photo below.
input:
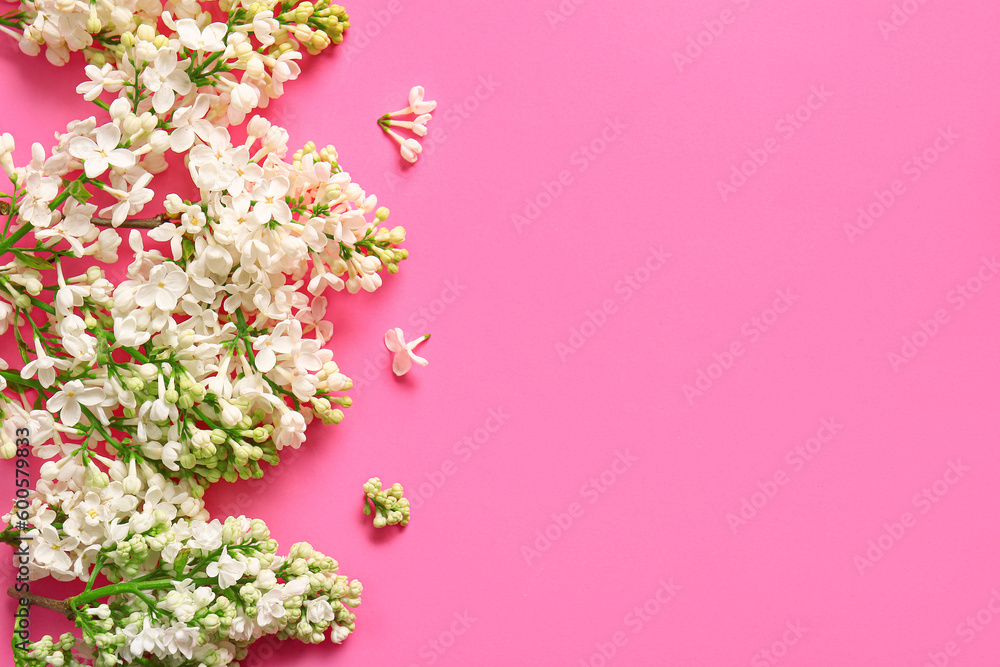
(338, 633)
(206, 536)
(319, 610)
(131, 201)
(210, 39)
(418, 125)
(6, 153)
(164, 77)
(189, 122)
(167, 283)
(271, 606)
(43, 365)
(127, 332)
(269, 346)
(271, 204)
(180, 638)
(67, 401)
(227, 569)
(243, 99)
(409, 148)
(101, 78)
(291, 430)
(403, 356)
(98, 155)
(264, 24)
(39, 191)
(417, 104)
(147, 640)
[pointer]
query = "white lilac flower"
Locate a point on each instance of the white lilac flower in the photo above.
(127, 332)
(418, 125)
(101, 152)
(166, 77)
(166, 284)
(180, 638)
(209, 39)
(43, 366)
(403, 355)
(68, 401)
(410, 148)
(105, 78)
(130, 201)
(271, 204)
(417, 103)
(39, 192)
(227, 569)
(6, 153)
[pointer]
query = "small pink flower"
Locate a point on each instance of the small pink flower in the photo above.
(403, 357)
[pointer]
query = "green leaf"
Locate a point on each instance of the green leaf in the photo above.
(78, 192)
(187, 248)
(180, 564)
(33, 261)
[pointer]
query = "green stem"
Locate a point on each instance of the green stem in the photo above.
(9, 242)
(16, 379)
(11, 537)
(132, 587)
(97, 568)
(96, 423)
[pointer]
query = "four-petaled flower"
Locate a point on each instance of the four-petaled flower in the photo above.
(98, 155)
(67, 401)
(403, 356)
(44, 365)
(227, 569)
(101, 78)
(210, 39)
(271, 204)
(167, 283)
(164, 78)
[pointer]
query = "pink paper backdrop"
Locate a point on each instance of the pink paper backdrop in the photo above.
(713, 295)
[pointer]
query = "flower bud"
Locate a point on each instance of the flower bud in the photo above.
(145, 32)
(94, 22)
(93, 476)
(132, 485)
(131, 125)
(8, 450)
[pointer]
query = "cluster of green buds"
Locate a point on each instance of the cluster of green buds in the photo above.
(384, 240)
(391, 508)
(213, 437)
(313, 25)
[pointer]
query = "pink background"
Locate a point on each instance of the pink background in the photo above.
(786, 577)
